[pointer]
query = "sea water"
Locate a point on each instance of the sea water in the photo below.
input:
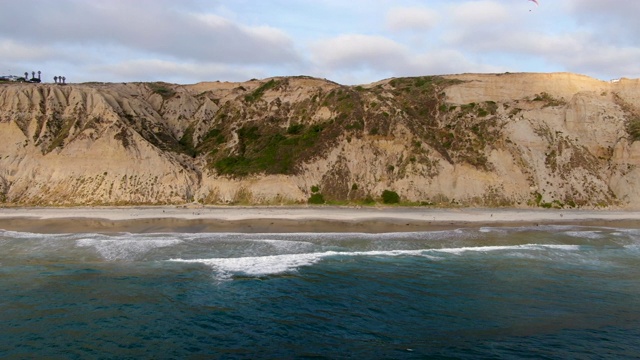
(554, 292)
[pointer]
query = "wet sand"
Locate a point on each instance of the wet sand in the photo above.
(293, 219)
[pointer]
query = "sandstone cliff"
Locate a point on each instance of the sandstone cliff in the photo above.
(551, 140)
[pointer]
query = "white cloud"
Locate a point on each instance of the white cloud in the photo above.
(13, 51)
(613, 21)
(149, 26)
(160, 70)
(446, 61)
(479, 13)
(487, 26)
(360, 58)
(411, 18)
(358, 51)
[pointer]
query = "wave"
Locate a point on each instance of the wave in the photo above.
(288, 245)
(10, 234)
(277, 264)
(461, 250)
(257, 266)
(592, 235)
(439, 234)
(294, 250)
(540, 228)
(125, 249)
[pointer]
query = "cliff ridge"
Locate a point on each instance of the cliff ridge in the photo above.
(514, 139)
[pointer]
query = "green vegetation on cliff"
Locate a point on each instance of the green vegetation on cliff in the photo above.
(277, 137)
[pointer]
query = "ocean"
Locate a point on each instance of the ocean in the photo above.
(539, 292)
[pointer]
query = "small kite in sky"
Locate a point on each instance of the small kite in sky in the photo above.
(535, 2)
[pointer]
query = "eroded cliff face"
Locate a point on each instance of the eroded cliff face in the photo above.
(552, 140)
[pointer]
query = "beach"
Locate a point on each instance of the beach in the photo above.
(149, 219)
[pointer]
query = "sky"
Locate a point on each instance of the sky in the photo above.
(346, 41)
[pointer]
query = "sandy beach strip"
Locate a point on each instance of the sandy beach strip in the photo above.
(293, 219)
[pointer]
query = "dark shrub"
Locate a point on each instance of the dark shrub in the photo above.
(390, 197)
(316, 198)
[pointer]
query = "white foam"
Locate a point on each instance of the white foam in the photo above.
(257, 266)
(485, 229)
(633, 247)
(337, 236)
(461, 250)
(29, 235)
(586, 234)
(288, 245)
(631, 234)
(278, 264)
(124, 249)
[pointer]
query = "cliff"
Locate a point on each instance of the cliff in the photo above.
(550, 140)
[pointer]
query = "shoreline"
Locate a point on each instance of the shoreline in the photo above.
(294, 219)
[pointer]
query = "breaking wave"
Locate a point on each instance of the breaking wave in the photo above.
(226, 268)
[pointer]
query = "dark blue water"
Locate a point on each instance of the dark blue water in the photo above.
(543, 292)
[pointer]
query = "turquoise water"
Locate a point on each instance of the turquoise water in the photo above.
(540, 292)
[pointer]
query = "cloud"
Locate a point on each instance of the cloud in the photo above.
(12, 51)
(349, 42)
(474, 24)
(446, 61)
(614, 21)
(358, 51)
(479, 13)
(412, 19)
(157, 27)
(596, 9)
(160, 70)
(362, 58)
